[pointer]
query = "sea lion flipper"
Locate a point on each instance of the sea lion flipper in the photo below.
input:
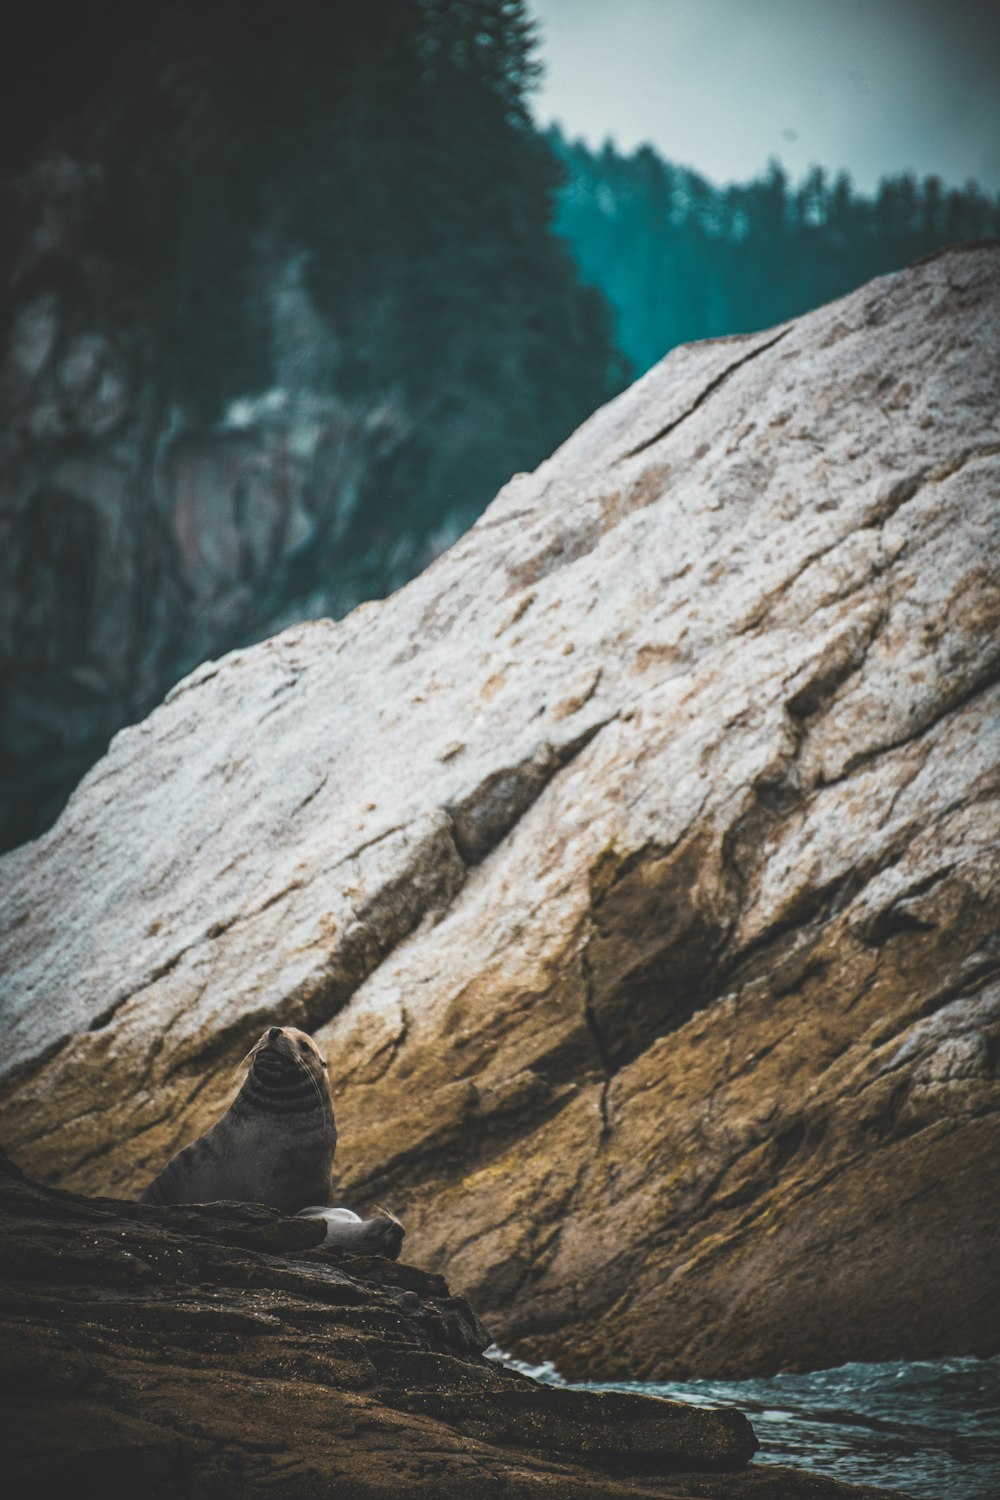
(345, 1230)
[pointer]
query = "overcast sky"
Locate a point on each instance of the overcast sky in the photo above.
(876, 86)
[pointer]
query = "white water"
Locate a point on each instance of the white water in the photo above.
(930, 1429)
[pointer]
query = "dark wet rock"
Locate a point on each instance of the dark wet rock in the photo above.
(175, 1352)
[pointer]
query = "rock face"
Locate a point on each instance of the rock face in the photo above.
(133, 542)
(635, 866)
(216, 1350)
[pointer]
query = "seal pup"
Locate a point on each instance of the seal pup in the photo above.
(273, 1145)
(346, 1230)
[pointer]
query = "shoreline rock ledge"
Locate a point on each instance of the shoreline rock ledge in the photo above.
(636, 867)
(217, 1351)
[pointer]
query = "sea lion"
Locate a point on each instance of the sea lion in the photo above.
(346, 1230)
(273, 1145)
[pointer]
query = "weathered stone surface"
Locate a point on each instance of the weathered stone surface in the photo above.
(174, 1352)
(636, 867)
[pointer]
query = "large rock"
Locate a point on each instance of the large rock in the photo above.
(216, 1351)
(636, 866)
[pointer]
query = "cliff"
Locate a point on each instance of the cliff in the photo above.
(137, 539)
(635, 866)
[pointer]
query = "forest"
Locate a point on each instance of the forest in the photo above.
(680, 258)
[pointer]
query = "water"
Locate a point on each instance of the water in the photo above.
(930, 1429)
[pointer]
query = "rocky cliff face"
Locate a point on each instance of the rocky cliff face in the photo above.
(216, 1350)
(134, 542)
(636, 867)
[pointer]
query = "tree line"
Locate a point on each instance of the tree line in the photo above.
(682, 259)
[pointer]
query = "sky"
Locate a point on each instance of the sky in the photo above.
(874, 86)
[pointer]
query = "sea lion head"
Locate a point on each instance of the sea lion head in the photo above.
(285, 1061)
(289, 1046)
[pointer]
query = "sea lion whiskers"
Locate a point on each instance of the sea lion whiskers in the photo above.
(243, 1068)
(302, 1065)
(247, 1061)
(298, 1056)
